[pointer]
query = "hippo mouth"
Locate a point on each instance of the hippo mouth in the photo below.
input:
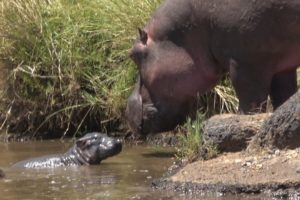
(145, 118)
(134, 113)
(109, 148)
(141, 117)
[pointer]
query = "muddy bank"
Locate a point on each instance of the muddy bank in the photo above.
(277, 173)
(270, 164)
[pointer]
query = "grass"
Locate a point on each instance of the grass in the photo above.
(67, 65)
(190, 140)
(221, 99)
(67, 59)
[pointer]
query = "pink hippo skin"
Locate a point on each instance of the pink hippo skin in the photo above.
(189, 44)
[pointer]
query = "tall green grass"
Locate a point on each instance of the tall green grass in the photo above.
(68, 61)
(221, 99)
(190, 140)
(67, 64)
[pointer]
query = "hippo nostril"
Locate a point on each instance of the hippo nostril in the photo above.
(134, 109)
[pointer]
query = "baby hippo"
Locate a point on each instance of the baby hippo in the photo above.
(88, 150)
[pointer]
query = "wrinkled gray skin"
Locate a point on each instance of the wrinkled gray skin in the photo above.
(188, 45)
(88, 150)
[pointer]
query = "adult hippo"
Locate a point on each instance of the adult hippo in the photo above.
(88, 150)
(188, 45)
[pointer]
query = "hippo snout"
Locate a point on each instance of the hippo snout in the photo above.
(145, 117)
(118, 146)
(134, 112)
(141, 117)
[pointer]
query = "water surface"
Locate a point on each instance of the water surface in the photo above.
(125, 176)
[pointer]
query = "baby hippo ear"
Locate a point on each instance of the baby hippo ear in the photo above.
(143, 36)
(82, 143)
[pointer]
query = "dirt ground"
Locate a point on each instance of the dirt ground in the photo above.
(279, 168)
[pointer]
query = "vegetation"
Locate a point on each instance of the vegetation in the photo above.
(67, 68)
(67, 61)
(190, 137)
(221, 100)
(190, 144)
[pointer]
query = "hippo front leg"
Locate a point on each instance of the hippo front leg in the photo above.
(251, 86)
(283, 86)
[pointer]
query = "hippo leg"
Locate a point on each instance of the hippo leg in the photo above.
(284, 85)
(251, 86)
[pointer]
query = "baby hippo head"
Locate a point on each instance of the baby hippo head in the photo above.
(95, 147)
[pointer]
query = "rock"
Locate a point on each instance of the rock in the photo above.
(231, 132)
(282, 129)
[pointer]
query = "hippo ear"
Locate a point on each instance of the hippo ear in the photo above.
(143, 36)
(82, 143)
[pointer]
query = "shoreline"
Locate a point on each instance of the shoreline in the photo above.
(275, 174)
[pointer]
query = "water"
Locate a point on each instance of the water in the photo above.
(125, 176)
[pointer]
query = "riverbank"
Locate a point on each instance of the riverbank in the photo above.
(277, 173)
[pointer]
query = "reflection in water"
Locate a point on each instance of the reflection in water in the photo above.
(125, 176)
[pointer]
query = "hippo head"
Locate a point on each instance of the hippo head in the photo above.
(145, 115)
(168, 84)
(95, 147)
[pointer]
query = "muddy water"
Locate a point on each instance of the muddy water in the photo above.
(126, 176)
